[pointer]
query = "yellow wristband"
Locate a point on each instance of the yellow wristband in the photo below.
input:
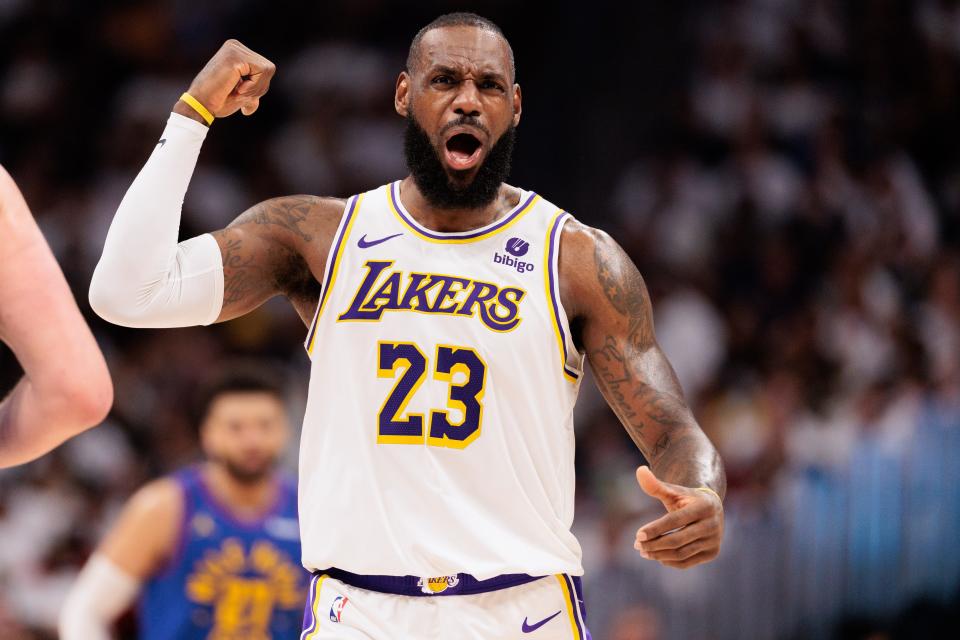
(709, 490)
(199, 108)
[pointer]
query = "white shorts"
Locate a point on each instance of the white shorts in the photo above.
(548, 608)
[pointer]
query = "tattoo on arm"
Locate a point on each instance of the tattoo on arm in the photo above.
(289, 213)
(628, 296)
(638, 381)
(260, 258)
(242, 275)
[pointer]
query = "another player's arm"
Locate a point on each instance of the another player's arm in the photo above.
(142, 541)
(66, 387)
(609, 308)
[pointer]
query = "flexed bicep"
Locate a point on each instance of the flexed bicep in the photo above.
(262, 254)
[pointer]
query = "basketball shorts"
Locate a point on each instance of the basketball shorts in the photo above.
(347, 606)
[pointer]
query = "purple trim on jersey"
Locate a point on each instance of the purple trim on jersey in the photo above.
(408, 585)
(575, 601)
(557, 224)
(308, 627)
(279, 501)
(460, 235)
(331, 263)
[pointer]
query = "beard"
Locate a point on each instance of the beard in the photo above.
(433, 180)
(247, 474)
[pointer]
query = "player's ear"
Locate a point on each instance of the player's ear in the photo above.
(400, 98)
(206, 437)
(284, 425)
(517, 104)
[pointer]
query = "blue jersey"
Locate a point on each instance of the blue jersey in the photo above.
(230, 579)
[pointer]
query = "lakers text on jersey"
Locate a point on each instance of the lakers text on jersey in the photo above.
(438, 435)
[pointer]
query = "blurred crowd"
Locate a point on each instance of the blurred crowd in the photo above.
(785, 173)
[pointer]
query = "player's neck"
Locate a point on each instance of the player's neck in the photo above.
(243, 498)
(454, 220)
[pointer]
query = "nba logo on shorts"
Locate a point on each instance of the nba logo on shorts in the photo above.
(517, 247)
(336, 609)
(438, 585)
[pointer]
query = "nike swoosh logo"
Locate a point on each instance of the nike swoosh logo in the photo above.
(363, 243)
(530, 628)
(162, 142)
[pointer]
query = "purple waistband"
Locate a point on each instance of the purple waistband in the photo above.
(460, 584)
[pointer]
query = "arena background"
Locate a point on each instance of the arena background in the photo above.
(784, 172)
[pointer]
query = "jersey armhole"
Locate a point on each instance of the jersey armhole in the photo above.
(570, 360)
(333, 264)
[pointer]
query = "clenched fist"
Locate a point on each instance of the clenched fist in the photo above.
(234, 78)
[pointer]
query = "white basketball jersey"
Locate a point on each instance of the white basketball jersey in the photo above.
(438, 435)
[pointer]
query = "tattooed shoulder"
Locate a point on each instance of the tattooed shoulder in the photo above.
(276, 247)
(300, 215)
(598, 277)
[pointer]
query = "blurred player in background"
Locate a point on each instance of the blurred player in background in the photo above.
(449, 318)
(213, 550)
(66, 387)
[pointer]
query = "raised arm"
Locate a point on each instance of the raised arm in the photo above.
(145, 278)
(610, 312)
(277, 247)
(66, 388)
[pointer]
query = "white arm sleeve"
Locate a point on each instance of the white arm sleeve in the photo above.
(144, 278)
(100, 595)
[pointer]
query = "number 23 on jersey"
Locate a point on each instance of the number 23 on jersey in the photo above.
(407, 363)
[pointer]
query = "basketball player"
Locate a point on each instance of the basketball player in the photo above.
(449, 318)
(66, 387)
(214, 549)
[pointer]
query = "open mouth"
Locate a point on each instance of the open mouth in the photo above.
(462, 151)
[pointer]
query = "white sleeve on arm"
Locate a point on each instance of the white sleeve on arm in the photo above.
(102, 592)
(144, 278)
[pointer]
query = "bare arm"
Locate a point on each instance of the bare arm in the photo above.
(144, 537)
(609, 307)
(139, 544)
(279, 246)
(66, 387)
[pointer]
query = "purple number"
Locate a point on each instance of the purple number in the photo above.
(465, 396)
(394, 429)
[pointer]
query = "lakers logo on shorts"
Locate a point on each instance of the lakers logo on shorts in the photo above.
(433, 586)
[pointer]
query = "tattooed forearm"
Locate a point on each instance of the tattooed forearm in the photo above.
(661, 445)
(290, 213)
(647, 413)
(635, 376)
(658, 422)
(690, 460)
(615, 377)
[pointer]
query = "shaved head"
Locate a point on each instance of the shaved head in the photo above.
(458, 19)
(462, 105)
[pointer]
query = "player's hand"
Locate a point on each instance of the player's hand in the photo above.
(234, 78)
(692, 530)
